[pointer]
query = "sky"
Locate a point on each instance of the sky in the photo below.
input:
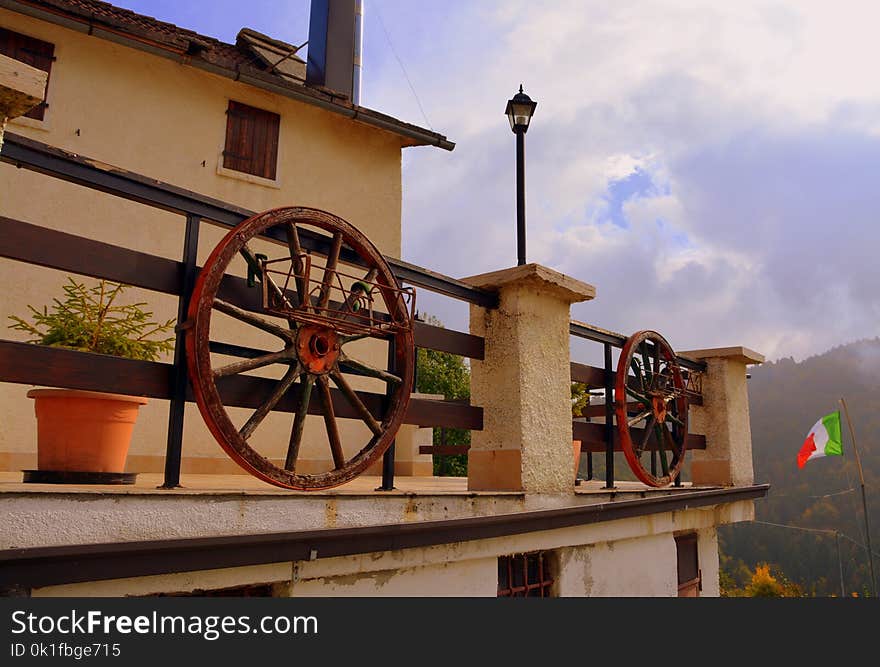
(709, 166)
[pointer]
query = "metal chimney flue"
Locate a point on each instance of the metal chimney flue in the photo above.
(358, 51)
(334, 56)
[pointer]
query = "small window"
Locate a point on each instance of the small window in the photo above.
(689, 577)
(33, 52)
(251, 140)
(525, 576)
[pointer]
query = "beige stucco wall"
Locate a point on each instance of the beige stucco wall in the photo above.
(166, 120)
(707, 559)
(476, 577)
(637, 567)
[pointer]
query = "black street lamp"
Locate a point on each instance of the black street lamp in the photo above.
(519, 111)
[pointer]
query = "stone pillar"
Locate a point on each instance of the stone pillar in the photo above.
(724, 418)
(523, 384)
(22, 87)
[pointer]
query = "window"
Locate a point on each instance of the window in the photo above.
(33, 52)
(689, 577)
(251, 140)
(525, 576)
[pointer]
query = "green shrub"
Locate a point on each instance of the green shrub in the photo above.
(88, 319)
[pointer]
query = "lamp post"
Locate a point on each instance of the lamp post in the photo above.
(520, 109)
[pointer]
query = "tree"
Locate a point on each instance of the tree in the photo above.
(580, 398)
(767, 581)
(446, 374)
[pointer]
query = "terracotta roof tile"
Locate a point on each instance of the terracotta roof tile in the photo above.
(147, 27)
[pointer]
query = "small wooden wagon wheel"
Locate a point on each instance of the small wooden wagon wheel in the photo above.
(326, 286)
(651, 407)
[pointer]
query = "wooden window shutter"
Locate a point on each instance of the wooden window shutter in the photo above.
(689, 575)
(33, 52)
(251, 140)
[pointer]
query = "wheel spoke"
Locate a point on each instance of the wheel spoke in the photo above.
(649, 429)
(365, 369)
(253, 319)
(638, 418)
(647, 365)
(296, 250)
(661, 449)
(330, 422)
(330, 271)
(637, 370)
(302, 410)
(253, 364)
(260, 413)
(673, 445)
(644, 399)
(675, 420)
(356, 402)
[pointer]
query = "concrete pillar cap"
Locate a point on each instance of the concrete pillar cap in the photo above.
(21, 87)
(561, 285)
(736, 353)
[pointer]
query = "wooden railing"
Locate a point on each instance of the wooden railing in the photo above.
(54, 367)
(30, 364)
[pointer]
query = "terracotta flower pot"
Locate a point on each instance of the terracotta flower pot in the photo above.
(83, 430)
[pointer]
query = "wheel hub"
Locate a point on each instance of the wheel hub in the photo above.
(317, 348)
(658, 404)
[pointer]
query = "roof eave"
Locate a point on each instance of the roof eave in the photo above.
(414, 135)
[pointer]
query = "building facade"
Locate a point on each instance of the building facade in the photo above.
(235, 122)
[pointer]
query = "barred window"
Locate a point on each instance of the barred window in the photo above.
(251, 140)
(525, 575)
(33, 52)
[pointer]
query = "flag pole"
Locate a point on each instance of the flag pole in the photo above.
(864, 499)
(839, 563)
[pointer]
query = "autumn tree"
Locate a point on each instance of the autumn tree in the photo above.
(767, 581)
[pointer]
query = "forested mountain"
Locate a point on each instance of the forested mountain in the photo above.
(786, 398)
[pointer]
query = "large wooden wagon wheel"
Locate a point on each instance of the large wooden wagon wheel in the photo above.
(651, 408)
(324, 286)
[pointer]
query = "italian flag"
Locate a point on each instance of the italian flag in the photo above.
(822, 440)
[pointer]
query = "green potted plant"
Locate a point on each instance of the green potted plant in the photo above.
(86, 431)
(580, 398)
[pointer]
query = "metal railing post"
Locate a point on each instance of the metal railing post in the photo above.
(609, 419)
(174, 443)
(388, 457)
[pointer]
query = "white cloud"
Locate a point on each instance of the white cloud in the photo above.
(756, 125)
(756, 122)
